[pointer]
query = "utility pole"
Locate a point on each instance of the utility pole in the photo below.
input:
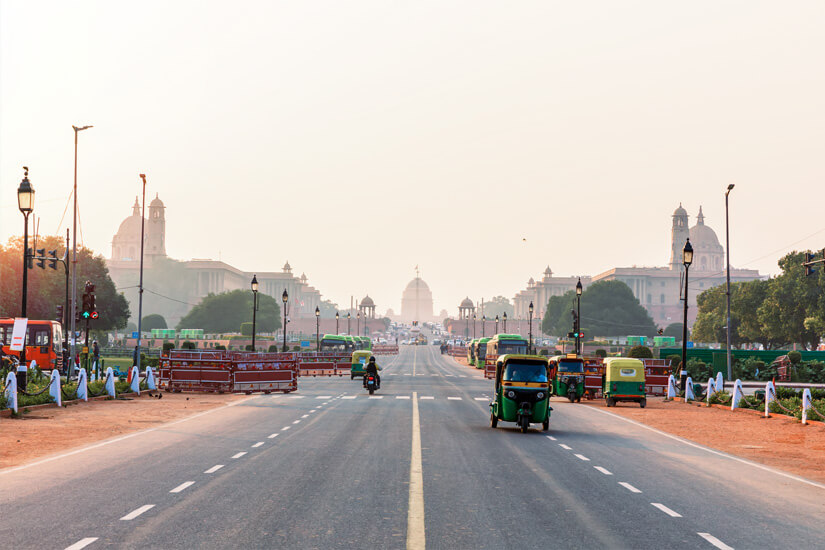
(140, 288)
(74, 242)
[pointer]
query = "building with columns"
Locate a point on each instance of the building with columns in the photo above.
(658, 289)
(174, 287)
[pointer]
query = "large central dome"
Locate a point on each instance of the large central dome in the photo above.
(417, 302)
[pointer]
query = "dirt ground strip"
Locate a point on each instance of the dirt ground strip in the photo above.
(781, 442)
(32, 435)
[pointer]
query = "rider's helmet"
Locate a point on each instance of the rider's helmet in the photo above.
(372, 359)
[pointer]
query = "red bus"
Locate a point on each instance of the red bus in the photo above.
(44, 342)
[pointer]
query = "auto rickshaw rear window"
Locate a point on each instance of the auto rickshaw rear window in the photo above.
(571, 366)
(525, 372)
(628, 372)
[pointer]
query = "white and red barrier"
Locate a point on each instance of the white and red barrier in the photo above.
(230, 372)
(384, 349)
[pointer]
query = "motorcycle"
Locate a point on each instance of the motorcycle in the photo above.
(370, 383)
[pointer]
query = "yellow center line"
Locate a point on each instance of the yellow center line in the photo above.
(416, 539)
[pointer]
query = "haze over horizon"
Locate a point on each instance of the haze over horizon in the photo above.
(481, 141)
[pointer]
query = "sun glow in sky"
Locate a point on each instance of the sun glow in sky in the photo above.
(480, 140)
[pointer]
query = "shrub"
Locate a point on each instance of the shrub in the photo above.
(544, 352)
(248, 347)
(601, 353)
(699, 370)
(296, 348)
(220, 347)
(273, 348)
(640, 352)
(168, 346)
(188, 345)
(246, 329)
(674, 360)
(795, 357)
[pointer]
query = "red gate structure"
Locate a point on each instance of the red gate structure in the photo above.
(657, 371)
(384, 349)
(230, 372)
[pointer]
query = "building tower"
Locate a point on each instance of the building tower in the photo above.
(679, 234)
(156, 229)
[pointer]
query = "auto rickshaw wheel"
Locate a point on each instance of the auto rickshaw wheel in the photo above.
(493, 420)
(610, 401)
(579, 399)
(525, 424)
(643, 402)
(546, 424)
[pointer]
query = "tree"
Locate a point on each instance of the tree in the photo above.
(47, 288)
(226, 311)
(640, 352)
(328, 309)
(153, 321)
(498, 305)
(674, 330)
(608, 308)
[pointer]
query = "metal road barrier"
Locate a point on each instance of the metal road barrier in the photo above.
(228, 372)
(384, 349)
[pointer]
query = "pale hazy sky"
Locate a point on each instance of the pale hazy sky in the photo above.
(358, 139)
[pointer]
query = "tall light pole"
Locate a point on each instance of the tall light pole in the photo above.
(317, 329)
(483, 325)
(579, 290)
(504, 320)
(140, 284)
(358, 324)
(496, 324)
(474, 326)
(25, 202)
(727, 292)
(254, 307)
(285, 299)
(687, 259)
(349, 316)
(530, 311)
(74, 238)
(336, 323)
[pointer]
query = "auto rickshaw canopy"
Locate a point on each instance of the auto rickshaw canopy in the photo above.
(624, 369)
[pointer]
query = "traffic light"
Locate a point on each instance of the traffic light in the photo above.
(59, 313)
(661, 331)
(95, 315)
(86, 310)
(809, 268)
(41, 261)
(53, 259)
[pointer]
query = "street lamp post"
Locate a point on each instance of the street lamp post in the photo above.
(285, 299)
(140, 281)
(579, 290)
(496, 324)
(358, 324)
(687, 259)
(254, 307)
(349, 316)
(25, 202)
(727, 292)
(530, 311)
(74, 242)
(317, 329)
(483, 325)
(336, 323)
(504, 320)
(474, 326)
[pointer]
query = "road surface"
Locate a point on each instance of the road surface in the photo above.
(416, 466)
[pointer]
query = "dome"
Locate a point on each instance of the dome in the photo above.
(156, 202)
(531, 282)
(548, 272)
(420, 284)
(287, 267)
(466, 303)
(679, 212)
(367, 301)
(129, 229)
(703, 237)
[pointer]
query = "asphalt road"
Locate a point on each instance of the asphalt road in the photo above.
(416, 466)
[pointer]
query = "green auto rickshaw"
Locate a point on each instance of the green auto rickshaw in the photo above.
(624, 380)
(471, 352)
(522, 392)
(481, 352)
(567, 376)
(359, 362)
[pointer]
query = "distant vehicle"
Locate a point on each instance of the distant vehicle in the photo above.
(333, 342)
(44, 342)
(436, 342)
(502, 344)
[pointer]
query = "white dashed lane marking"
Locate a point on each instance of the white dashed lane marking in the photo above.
(83, 543)
(714, 541)
(551, 438)
(285, 428)
(629, 487)
(666, 510)
(565, 447)
(214, 469)
(182, 486)
(258, 444)
(272, 436)
(426, 397)
(376, 397)
(297, 396)
(603, 470)
(480, 398)
(349, 397)
(304, 416)
(297, 422)
(239, 455)
(324, 397)
(453, 399)
(135, 513)
(582, 457)
(402, 396)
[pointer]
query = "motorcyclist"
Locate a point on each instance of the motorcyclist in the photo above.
(372, 369)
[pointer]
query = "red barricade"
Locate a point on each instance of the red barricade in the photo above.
(324, 364)
(593, 373)
(657, 373)
(490, 367)
(384, 349)
(221, 371)
(457, 351)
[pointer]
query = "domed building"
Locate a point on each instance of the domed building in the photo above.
(417, 302)
(126, 242)
(658, 289)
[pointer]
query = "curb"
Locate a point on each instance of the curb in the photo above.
(6, 413)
